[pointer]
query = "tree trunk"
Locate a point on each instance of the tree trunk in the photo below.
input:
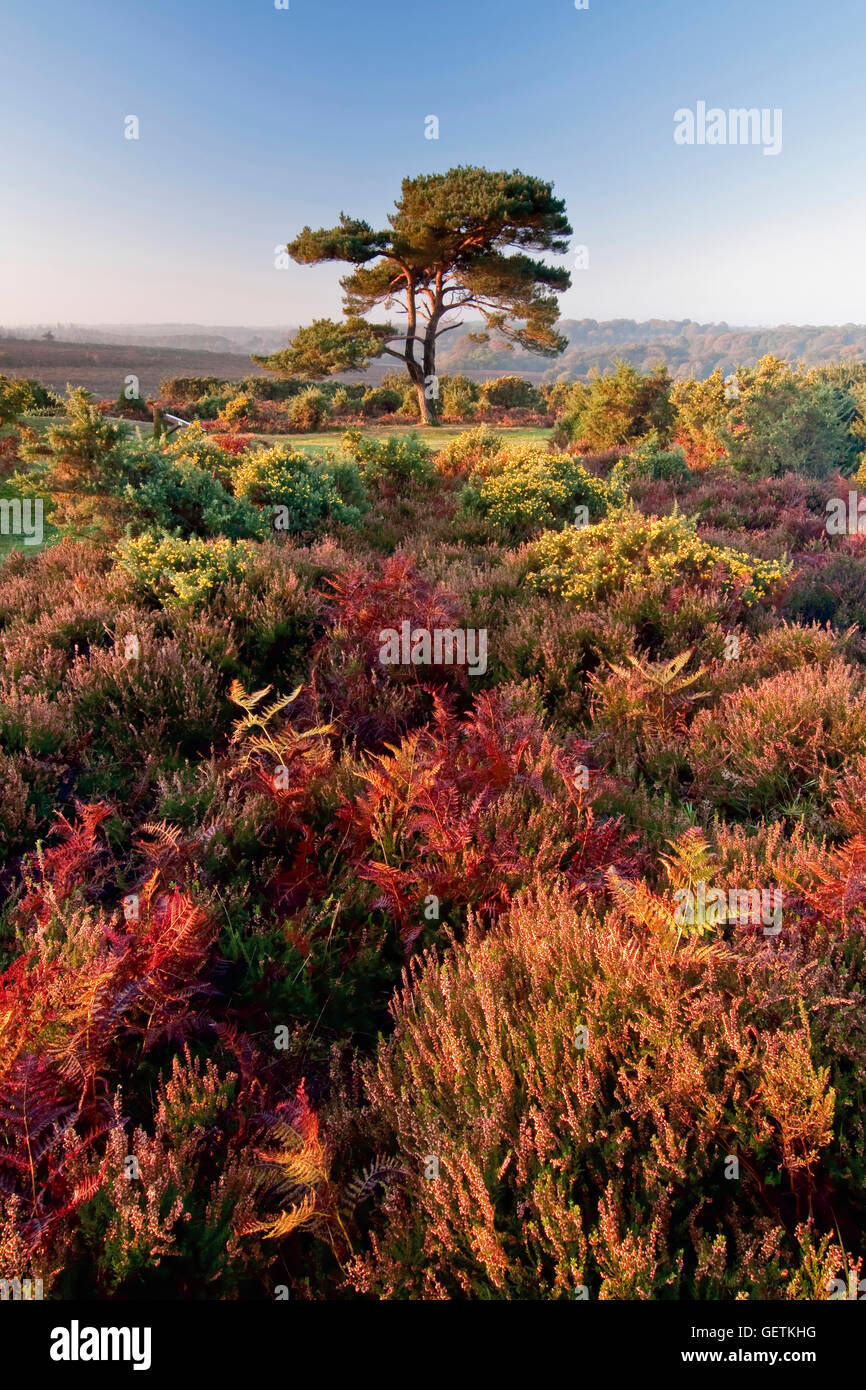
(429, 367)
(416, 372)
(427, 415)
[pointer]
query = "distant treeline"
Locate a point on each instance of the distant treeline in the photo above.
(685, 347)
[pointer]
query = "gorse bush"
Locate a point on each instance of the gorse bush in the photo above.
(309, 491)
(458, 398)
(625, 549)
(183, 571)
(649, 461)
(468, 452)
(380, 400)
(784, 420)
(618, 408)
(523, 488)
(308, 411)
(510, 392)
(395, 461)
(177, 495)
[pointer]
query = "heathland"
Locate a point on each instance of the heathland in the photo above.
(335, 975)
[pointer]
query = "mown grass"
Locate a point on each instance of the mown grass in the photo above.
(434, 436)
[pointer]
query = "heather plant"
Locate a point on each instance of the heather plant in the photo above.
(325, 967)
(168, 695)
(783, 740)
(830, 586)
(562, 1158)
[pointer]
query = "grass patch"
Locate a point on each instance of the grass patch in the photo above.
(9, 542)
(436, 436)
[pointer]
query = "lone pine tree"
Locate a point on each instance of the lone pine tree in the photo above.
(457, 241)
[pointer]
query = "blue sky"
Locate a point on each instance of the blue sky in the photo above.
(255, 121)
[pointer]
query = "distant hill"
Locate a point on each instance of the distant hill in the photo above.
(194, 337)
(102, 367)
(99, 357)
(688, 348)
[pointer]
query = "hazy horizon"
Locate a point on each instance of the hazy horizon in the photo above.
(237, 325)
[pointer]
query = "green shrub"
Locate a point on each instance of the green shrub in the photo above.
(783, 420)
(312, 492)
(190, 388)
(308, 411)
(209, 407)
(399, 383)
(175, 495)
(650, 462)
(616, 408)
(20, 396)
(398, 460)
(183, 571)
(469, 451)
(195, 446)
(523, 488)
(380, 400)
(83, 464)
(626, 549)
(509, 393)
(458, 398)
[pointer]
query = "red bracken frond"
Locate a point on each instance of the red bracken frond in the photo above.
(69, 864)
